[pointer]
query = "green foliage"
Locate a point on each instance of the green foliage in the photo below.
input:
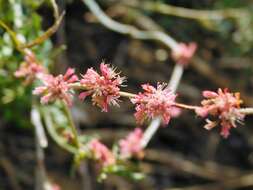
(121, 170)
(22, 18)
(230, 3)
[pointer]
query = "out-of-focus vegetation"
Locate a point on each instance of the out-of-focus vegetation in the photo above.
(21, 17)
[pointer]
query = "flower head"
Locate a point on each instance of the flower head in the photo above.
(103, 88)
(56, 87)
(183, 53)
(52, 186)
(131, 145)
(155, 102)
(225, 106)
(101, 153)
(30, 69)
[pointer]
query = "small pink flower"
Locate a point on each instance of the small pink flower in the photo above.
(103, 88)
(54, 187)
(131, 145)
(30, 69)
(183, 53)
(154, 102)
(223, 105)
(101, 153)
(56, 87)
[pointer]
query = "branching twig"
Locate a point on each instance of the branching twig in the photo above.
(56, 10)
(45, 35)
(128, 29)
(19, 46)
(188, 13)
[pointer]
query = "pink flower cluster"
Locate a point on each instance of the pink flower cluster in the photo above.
(30, 69)
(101, 153)
(56, 87)
(53, 186)
(131, 145)
(183, 53)
(223, 105)
(155, 102)
(103, 88)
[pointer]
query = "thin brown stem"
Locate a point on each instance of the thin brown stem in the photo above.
(46, 35)
(246, 111)
(127, 94)
(78, 86)
(184, 106)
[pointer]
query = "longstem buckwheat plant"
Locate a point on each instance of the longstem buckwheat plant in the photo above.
(156, 103)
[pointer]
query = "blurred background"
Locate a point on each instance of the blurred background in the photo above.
(181, 156)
